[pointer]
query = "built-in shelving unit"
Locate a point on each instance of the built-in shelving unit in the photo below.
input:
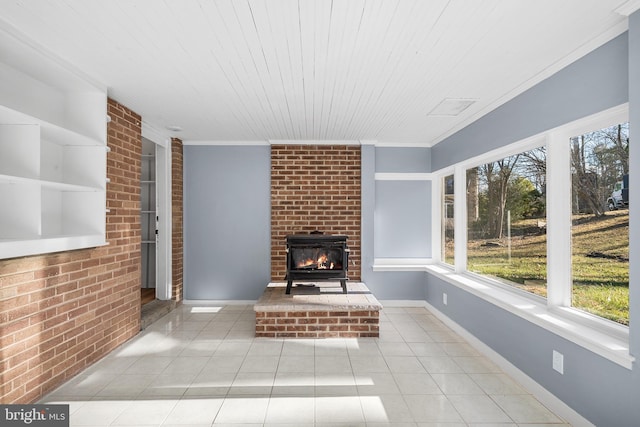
(52, 154)
(148, 214)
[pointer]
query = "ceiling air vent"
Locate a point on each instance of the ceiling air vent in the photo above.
(451, 107)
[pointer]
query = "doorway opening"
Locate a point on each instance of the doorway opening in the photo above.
(155, 220)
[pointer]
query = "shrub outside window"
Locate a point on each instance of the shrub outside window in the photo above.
(506, 220)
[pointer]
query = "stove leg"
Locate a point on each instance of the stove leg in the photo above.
(289, 283)
(343, 283)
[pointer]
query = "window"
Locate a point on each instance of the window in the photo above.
(447, 220)
(549, 216)
(506, 220)
(600, 222)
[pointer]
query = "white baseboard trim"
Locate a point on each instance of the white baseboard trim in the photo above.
(402, 303)
(212, 302)
(385, 303)
(545, 397)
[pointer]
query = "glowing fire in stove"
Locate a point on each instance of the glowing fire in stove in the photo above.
(322, 263)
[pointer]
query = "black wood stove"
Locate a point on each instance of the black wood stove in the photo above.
(317, 257)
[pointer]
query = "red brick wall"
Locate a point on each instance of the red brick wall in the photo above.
(177, 219)
(318, 324)
(314, 187)
(61, 312)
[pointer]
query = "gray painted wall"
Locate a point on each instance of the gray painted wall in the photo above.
(227, 222)
(403, 159)
(402, 219)
(227, 213)
(396, 219)
(367, 219)
(593, 83)
(601, 391)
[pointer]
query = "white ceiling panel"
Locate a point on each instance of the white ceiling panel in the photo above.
(258, 70)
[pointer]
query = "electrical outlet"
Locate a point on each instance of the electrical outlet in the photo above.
(558, 362)
(444, 298)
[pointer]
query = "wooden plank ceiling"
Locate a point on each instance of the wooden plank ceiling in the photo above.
(258, 70)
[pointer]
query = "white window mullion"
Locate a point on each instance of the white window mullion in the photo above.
(460, 218)
(437, 225)
(558, 220)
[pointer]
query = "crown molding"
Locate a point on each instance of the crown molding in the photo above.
(403, 176)
(238, 143)
(314, 142)
(362, 142)
(628, 7)
(30, 54)
(389, 144)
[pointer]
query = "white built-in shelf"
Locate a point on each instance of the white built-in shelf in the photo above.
(52, 154)
(51, 185)
(50, 131)
(45, 244)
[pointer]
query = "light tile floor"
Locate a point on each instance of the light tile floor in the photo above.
(202, 366)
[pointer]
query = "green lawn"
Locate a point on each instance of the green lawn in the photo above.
(601, 284)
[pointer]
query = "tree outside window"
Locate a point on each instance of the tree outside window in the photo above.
(600, 222)
(506, 220)
(448, 242)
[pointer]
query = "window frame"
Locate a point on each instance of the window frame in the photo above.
(443, 216)
(603, 336)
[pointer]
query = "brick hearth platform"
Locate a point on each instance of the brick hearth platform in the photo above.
(319, 311)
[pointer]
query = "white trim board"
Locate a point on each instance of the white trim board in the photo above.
(315, 142)
(308, 142)
(395, 176)
(403, 303)
(401, 264)
(628, 8)
(155, 134)
(223, 143)
(213, 302)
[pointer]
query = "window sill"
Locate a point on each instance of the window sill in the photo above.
(599, 336)
(401, 264)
